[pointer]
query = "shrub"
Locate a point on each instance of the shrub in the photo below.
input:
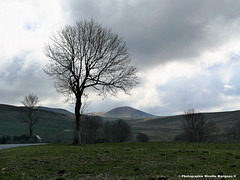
(141, 137)
(24, 139)
(180, 137)
(5, 139)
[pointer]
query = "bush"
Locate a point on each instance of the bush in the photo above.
(141, 137)
(5, 139)
(180, 137)
(24, 139)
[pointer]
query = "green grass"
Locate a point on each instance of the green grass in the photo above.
(120, 161)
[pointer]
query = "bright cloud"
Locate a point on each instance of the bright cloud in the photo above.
(26, 25)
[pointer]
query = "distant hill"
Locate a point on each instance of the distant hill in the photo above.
(166, 128)
(52, 126)
(57, 110)
(58, 123)
(127, 112)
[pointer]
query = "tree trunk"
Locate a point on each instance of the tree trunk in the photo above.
(77, 134)
(30, 133)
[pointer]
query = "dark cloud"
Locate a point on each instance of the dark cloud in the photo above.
(19, 79)
(158, 31)
(202, 92)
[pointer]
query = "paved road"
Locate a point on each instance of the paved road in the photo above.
(6, 146)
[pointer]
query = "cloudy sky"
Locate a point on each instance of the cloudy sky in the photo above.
(187, 52)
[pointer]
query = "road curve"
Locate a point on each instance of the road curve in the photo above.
(7, 146)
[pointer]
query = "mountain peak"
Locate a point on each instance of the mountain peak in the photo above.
(127, 112)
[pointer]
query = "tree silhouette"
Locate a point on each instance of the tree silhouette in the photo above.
(86, 57)
(32, 114)
(196, 128)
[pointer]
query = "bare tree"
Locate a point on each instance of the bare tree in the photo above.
(107, 131)
(32, 114)
(196, 128)
(90, 127)
(116, 131)
(121, 130)
(85, 57)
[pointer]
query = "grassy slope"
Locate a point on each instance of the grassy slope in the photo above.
(159, 128)
(120, 161)
(165, 128)
(50, 126)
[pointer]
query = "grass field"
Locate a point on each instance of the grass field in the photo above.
(120, 161)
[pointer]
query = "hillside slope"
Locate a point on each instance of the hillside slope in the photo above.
(58, 126)
(166, 128)
(127, 112)
(52, 125)
(57, 110)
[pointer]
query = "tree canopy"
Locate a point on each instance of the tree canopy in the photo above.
(86, 57)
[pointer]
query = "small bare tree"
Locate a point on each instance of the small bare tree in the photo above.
(196, 128)
(85, 57)
(32, 114)
(90, 127)
(116, 131)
